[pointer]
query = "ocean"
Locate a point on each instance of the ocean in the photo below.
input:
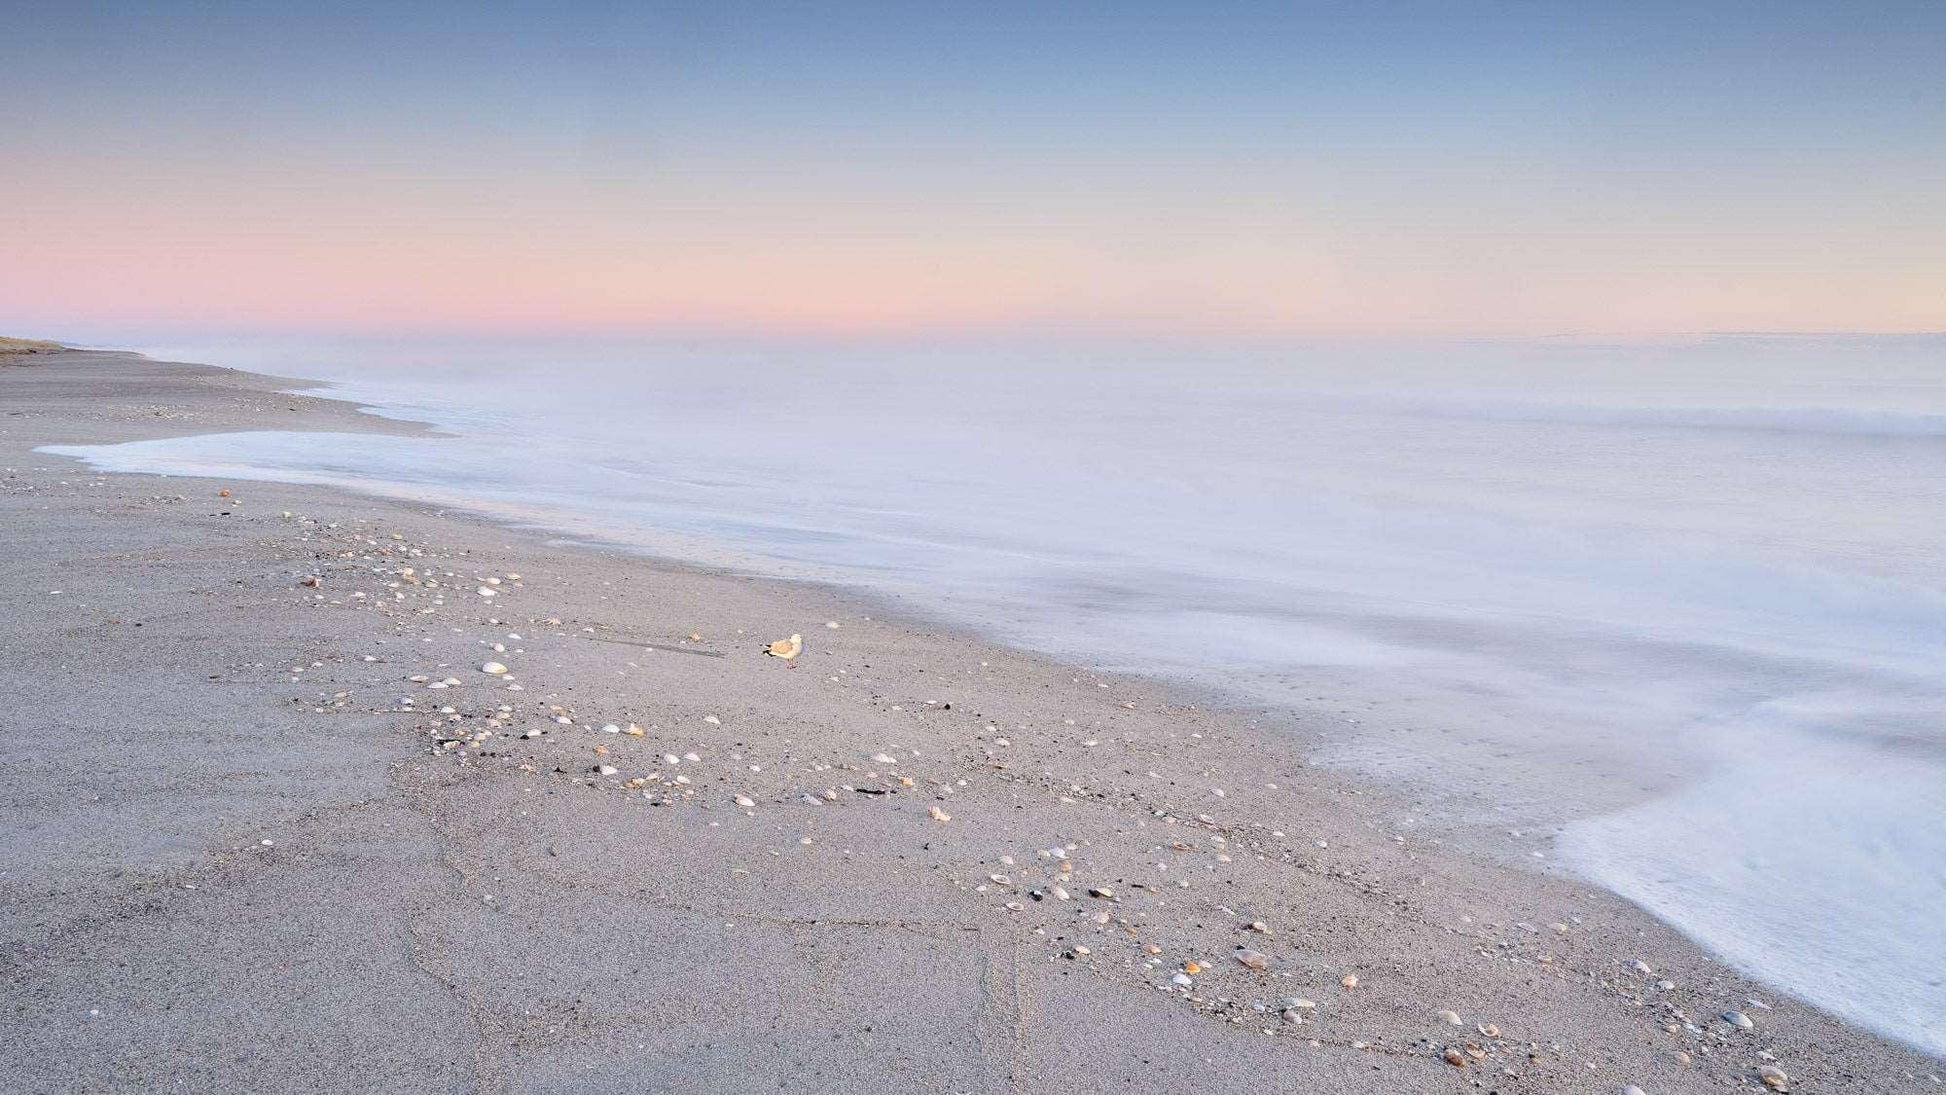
(1670, 615)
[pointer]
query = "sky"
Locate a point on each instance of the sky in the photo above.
(1205, 169)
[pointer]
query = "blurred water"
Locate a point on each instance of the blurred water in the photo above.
(1686, 594)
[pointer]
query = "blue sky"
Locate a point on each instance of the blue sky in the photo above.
(1273, 168)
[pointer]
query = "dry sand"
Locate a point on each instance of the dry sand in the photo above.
(20, 347)
(237, 859)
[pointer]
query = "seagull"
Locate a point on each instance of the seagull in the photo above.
(787, 649)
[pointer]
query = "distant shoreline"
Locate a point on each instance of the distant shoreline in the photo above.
(20, 347)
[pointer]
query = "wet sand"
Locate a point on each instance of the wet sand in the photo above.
(245, 850)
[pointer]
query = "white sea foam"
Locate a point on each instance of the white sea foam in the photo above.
(1695, 587)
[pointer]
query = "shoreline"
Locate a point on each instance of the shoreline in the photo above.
(872, 944)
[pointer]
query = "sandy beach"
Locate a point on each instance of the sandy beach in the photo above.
(277, 820)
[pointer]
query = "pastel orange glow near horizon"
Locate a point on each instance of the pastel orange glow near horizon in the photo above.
(1431, 170)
